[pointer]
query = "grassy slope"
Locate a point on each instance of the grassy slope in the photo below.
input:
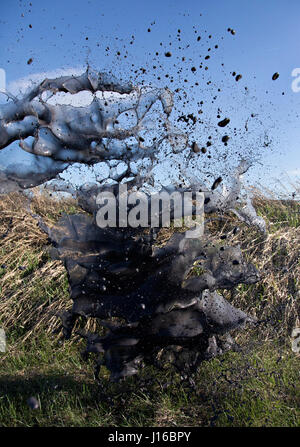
(258, 386)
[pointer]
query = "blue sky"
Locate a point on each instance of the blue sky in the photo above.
(68, 34)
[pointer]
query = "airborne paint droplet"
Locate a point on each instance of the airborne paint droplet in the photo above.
(224, 122)
(216, 183)
(275, 76)
(195, 147)
(168, 54)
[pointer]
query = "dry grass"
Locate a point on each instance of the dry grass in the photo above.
(33, 287)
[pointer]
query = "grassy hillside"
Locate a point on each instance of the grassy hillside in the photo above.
(257, 386)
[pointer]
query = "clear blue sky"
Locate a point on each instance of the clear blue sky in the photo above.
(65, 33)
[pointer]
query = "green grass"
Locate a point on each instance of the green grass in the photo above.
(279, 213)
(257, 386)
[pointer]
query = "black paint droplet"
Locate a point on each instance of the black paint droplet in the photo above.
(275, 76)
(224, 122)
(195, 147)
(168, 54)
(216, 183)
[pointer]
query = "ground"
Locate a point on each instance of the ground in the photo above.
(256, 386)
